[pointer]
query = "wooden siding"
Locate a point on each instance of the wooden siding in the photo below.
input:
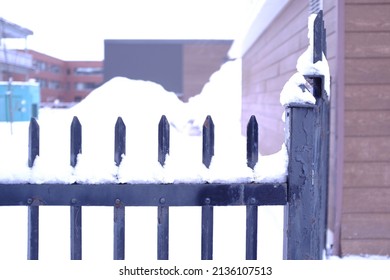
(366, 194)
(267, 66)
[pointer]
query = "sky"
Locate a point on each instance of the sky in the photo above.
(75, 29)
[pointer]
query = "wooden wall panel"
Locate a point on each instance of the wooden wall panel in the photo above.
(367, 123)
(372, 17)
(367, 45)
(366, 226)
(366, 174)
(367, 71)
(367, 97)
(366, 200)
(367, 149)
(365, 247)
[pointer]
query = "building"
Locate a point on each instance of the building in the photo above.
(65, 81)
(13, 62)
(358, 40)
(61, 82)
(180, 66)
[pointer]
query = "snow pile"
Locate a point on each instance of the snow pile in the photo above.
(141, 105)
(297, 90)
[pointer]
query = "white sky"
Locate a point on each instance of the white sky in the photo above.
(75, 29)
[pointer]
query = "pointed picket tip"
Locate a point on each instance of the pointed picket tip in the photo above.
(252, 142)
(208, 141)
(163, 139)
(120, 141)
(75, 140)
(33, 141)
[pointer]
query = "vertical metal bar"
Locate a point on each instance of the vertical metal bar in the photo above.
(252, 142)
(119, 208)
(33, 210)
(75, 233)
(33, 141)
(163, 139)
(207, 232)
(318, 40)
(33, 233)
(207, 210)
(251, 232)
(163, 211)
(119, 230)
(75, 141)
(208, 141)
(252, 155)
(75, 211)
(120, 141)
(163, 232)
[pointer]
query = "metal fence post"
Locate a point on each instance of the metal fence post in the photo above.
(307, 142)
(306, 211)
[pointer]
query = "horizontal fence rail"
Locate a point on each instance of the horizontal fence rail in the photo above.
(144, 194)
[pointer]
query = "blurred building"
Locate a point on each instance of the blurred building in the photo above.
(13, 62)
(61, 83)
(65, 82)
(180, 66)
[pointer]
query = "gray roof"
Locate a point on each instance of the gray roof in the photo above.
(12, 30)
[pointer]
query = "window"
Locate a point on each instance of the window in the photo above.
(42, 82)
(55, 69)
(54, 85)
(85, 86)
(88, 71)
(39, 65)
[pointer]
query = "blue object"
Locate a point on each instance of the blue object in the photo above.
(19, 101)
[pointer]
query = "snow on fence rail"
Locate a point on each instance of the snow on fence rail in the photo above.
(304, 194)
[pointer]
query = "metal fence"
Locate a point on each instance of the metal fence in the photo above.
(304, 194)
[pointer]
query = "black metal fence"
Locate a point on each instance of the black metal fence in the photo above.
(304, 194)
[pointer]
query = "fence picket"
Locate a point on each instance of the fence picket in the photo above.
(33, 233)
(119, 207)
(33, 141)
(163, 139)
(119, 230)
(252, 142)
(163, 211)
(120, 141)
(75, 141)
(252, 154)
(319, 33)
(207, 210)
(75, 211)
(207, 231)
(33, 210)
(251, 232)
(208, 141)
